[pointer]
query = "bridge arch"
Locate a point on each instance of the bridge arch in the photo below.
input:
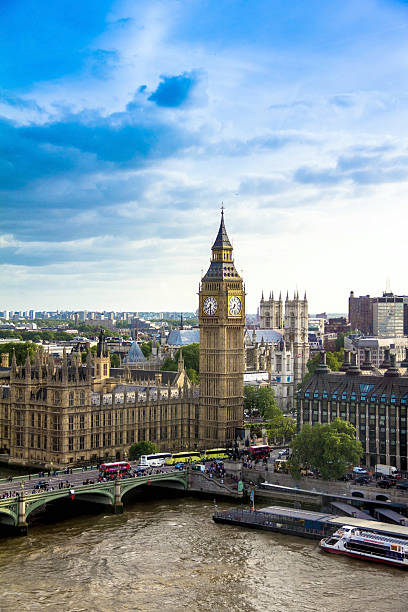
(8, 517)
(86, 495)
(177, 481)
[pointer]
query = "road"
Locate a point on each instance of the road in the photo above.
(77, 478)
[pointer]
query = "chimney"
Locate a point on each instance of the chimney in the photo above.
(386, 362)
(404, 364)
(367, 365)
(322, 368)
(353, 370)
(346, 363)
(392, 370)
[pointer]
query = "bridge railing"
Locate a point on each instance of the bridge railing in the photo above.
(25, 477)
(80, 487)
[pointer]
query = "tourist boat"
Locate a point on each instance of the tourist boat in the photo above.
(367, 545)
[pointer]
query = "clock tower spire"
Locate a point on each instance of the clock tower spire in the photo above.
(221, 320)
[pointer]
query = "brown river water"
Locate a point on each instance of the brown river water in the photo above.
(168, 555)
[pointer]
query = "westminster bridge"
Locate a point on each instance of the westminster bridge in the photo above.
(21, 505)
(15, 510)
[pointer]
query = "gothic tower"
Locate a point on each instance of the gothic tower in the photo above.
(271, 313)
(221, 320)
(296, 333)
(102, 359)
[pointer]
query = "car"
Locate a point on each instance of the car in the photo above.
(283, 452)
(346, 477)
(362, 480)
(359, 470)
(199, 467)
(383, 484)
(40, 484)
(403, 485)
(179, 466)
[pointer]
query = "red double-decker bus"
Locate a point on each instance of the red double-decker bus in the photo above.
(114, 469)
(258, 452)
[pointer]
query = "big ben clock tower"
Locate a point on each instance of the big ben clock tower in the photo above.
(221, 320)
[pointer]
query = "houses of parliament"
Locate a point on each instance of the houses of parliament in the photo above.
(59, 414)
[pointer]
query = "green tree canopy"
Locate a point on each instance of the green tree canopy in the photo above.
(333, 360)
(330, 448)
(34, 335)
(281, 428)
(169, 365)
(115, 360)
(84, 355)
(193, 376)
(22, 349)
(262, 400)
(191, 356)
(142, 448)
(146, 348)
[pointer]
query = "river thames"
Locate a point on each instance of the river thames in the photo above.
(168, 555)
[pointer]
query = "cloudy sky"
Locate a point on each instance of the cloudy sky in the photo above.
(124, 125)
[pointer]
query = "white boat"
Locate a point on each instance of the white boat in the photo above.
(367, 545)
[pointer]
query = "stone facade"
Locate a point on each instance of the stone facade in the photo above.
(68, 413)
(62, 415)
(292, 323)
(273, 357)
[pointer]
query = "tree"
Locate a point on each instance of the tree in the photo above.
(84, 355)
(260, 400)
(250, 399)
(146, 348)
(330, 448)
(281, 428)
(22, 349)
(115, 360)
(142, 448)
(193, 376)
(333, 360)
(169, 365)
(266, 403)
(340, 341)
(191, 357)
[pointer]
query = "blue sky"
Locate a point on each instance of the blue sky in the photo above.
(124, 125)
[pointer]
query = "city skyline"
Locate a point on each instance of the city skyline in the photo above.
(125, 126)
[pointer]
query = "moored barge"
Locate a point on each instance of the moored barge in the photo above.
(304, 523)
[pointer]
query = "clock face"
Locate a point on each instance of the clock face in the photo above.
(234, 305)
(210, 305)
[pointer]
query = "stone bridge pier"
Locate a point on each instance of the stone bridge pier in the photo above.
(21, 527)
